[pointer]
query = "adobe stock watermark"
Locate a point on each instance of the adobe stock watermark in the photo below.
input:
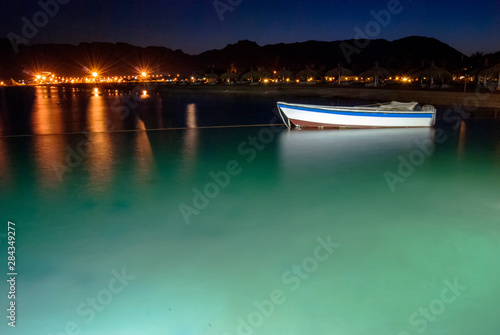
(292, 279)
(30, 28)
(98, 302)
(219, 180)
(222, 6)
(420, 319)
(75, 156)
(425, 148)
(372, 29)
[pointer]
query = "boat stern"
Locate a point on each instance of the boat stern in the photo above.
(433, 110)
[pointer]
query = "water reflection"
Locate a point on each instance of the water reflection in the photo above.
(310, 151)
(96, 114)
(190, 142)
(49, 149)
(191, 116)
(143, 154)
(101, 150)
(461, 139)
(47, 113)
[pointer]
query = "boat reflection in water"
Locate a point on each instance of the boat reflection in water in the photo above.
(308, 152)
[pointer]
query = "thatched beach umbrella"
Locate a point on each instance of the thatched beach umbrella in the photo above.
(433, 72)
(493, 71)
(211, 77)
(412, 72)
(229, 76)
(251, 75)
(263, 74)
(339, 71)
(477, 74)
(284, 74)
(307, 74)
(377, 72)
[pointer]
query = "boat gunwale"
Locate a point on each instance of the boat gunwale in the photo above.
(355, 109)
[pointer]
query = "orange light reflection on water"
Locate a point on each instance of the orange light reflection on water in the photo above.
(96, 114)
(461, 139)
(101, 148)
(47, 114)
(49, 144)
(191, 116)
(190, 143)
(143, 153)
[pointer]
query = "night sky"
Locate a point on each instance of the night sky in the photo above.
(195, 26)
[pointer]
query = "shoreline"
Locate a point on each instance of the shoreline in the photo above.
(470, 100)
(481, 103)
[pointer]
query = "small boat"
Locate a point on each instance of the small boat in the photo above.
(392, 114)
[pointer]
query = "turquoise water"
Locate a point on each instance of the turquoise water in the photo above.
(252, 230)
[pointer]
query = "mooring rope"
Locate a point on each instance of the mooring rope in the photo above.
(147, 130)
(287, 122)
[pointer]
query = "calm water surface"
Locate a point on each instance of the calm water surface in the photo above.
(123, 228)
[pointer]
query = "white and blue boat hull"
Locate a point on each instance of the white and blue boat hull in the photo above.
(381, 116)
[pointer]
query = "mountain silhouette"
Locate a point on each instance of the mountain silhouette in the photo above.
(125, 59)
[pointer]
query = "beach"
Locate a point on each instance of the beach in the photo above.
(481, 103)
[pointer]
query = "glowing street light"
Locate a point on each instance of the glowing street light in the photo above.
(95, 74)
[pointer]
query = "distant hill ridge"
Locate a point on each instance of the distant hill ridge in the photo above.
(123, 58)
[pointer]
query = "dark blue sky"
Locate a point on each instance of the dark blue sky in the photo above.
(195, 26)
